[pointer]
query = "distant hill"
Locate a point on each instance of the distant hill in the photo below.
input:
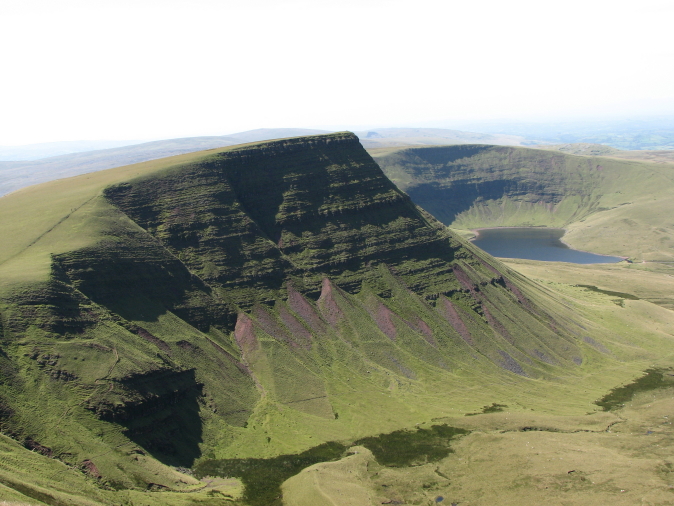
(581, 148)
(15, 175)
(387, 137)
(658, 156)
(19, 174)
(50, 149)
(585, 149)
(32, 152)
(649, 133)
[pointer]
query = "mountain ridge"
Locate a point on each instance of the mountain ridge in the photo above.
(18, 174)
(292, 272)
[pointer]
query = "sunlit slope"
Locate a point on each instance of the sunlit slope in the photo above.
(608, 206)
(30, 478)
(652, 282)
(260, 300)
(524, 452)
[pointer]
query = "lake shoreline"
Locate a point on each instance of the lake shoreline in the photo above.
(566, 245)
(477, 230)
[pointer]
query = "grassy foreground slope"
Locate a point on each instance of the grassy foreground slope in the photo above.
(608, 206)
(568, 451)
(261, 300)
(512, 458)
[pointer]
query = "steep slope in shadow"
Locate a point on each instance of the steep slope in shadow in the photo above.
(308, 209)
(455, 182)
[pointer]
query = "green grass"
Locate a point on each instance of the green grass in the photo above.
(31, 478)
(652, 380)
(263, 477)
(652, 282)
(518, 458)
(554, 444)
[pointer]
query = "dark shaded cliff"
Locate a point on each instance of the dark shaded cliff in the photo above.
(498, 184)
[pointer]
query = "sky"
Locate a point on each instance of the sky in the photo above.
(146, 69)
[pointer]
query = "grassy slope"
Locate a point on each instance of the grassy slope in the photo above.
(651, 282)
(608, 206)
(350, 369)
(47, 218)
(30, 478)
(547, 445)
(50, 219)
(666, 157)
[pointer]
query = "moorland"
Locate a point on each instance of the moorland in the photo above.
(173, 329)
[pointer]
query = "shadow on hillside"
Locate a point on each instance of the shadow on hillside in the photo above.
(167, 425)
(446, 203)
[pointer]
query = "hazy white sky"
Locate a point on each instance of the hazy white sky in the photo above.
(143, 69)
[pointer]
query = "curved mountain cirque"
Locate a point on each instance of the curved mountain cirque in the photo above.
(248, 301)
(608, 206)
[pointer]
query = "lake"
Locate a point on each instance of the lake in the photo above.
(534, 244)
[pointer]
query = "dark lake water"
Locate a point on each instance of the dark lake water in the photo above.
(534, 244)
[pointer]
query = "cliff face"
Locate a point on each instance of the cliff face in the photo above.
(248, 219)
(499, 185)
(251, 221)
(280, 277)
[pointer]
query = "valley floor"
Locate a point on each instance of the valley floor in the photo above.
(650, 281)
(510, 458)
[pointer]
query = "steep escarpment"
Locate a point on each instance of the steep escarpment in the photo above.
(253, 301)
(460, 183)
(247, 219)
(305, 211)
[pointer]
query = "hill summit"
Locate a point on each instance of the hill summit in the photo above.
(245, 302)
